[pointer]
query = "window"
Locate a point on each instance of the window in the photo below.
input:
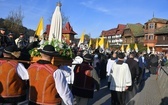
(125, 40)
(150, 37)
(113, 36)
(151, 25)
(113, 41)
(146, 26)
(120, 40)
(164, 38)
(109, 41)
(146, 37)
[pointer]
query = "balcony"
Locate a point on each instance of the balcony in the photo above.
(150, 42)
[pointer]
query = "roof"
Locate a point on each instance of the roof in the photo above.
(136, 29)
(158, 20)
(162, 30)
(120, 29)
(48, 29)
(110, 32)
(68, 29)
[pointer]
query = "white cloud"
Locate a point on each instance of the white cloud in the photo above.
(102, 9)
(87, 3)
(92, 4)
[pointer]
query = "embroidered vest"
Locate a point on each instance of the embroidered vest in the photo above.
(12, 84)
(42, 84)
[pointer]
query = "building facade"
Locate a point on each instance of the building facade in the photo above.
(150, 39)
(154, 34)
(67, 33)
(133, 33)
(108, 35)
(117, 38)
(114, 35)
(162, 39)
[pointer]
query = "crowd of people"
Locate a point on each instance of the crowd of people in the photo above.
(42, 83)
(127, 70)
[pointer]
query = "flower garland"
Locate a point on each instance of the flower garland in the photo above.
(61, 47)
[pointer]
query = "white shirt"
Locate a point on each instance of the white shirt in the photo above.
(62, 87)
(67, 72)
(77, 60)
(109, 66)
(143, 59)
(22, 72)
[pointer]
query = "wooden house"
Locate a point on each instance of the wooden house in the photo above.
(150, 39)
(133, 33)
(67, 32)
(162, 39)
(114, 35)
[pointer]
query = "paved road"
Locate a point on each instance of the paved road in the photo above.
(101, 97)
(147, 93)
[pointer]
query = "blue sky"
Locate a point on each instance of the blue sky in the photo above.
(91, 16)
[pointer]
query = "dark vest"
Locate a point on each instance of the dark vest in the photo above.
(83, 85)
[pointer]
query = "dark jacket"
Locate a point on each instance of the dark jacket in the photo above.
(11, 41)
(134, 69)
(141, 63)
(153, 61)
(133, 66)
(3, 40)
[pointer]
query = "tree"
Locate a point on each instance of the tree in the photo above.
(16, 16)
(65, 19)
(14, 21)
(87, 37)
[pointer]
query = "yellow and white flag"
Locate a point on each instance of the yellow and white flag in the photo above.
(128, 49)
(107, 45)
(97, 44)
(90, 43)
(122, 48)
(101, 42)
(81, 39)
(40, 27)
(136, 47)
(148, 49)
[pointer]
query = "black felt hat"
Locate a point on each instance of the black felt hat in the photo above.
(88, 58)
(49, 50)
(2, 29)
(21, 34)
(12, 50)
(10, 33)
(45, 33)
